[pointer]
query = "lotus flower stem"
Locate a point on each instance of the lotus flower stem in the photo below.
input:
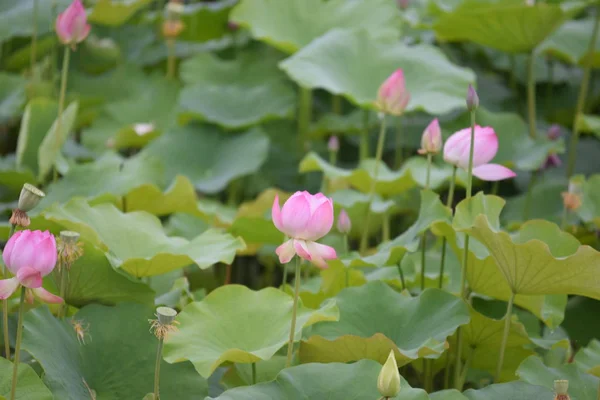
(364, 137)
(385, 227)
(336, 104)
(304, 116)
(528, 197)
(285, 277)
(582, 97)
(34, 35)
(378, 155)
(13, 389)
(171, 58)
(64, 282)
(399, 155)
(254, 373)
(449, 202)
(424, 237)
(61, 98)
(159, 350)
(5, 306)
(290, 350)
(507, 321)
(531, 95)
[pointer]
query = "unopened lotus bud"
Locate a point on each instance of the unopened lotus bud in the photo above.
(29, 198)
(172, 28)
(431, 141)
(388, 382)
(554, 132)
(472, 99)
(344, 225)
(333, 144)
(393, 96)
(561, 387)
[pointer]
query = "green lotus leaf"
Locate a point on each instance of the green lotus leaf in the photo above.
(510, 25)
(570, 43)
(185, 225)
(180, 196)
(512, 391)
(94, 366)
(589, 211)
(292, 24)
(354, 64)
(538, 259)
(12, 93)
(136, 242)
(205, 21)
(375, 319)
(208, 158)
(235, 93)
(545, 203)
(589, 123)
(352, 123)
(108, 12)
(588, 358)
(582, 386)
(355, 204)
(16, 17)
(29, 385)
(12, 177)
(236, 324)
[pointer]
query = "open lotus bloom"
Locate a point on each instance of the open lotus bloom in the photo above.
(305, 219)
(71, 25)
(457, 148)
(29, 255)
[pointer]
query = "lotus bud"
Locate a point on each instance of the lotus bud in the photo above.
(344, 225)
(388, 382)
(334, 144)
(561, 388)
(554, 132)
(71, 25)
(393, 97)
(472, 99)
(431, 141)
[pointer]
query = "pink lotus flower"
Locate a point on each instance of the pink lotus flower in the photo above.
(71, 25)
(457, 148)
(393, 97)
(305, 219)
(431, 141)
(29, 255)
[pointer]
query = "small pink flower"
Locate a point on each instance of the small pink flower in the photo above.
(431, 141)
(393, 97)
(344, 225)
(333, 144)
(29, 255)
(71, 25)
(304, 218)
(457, 148)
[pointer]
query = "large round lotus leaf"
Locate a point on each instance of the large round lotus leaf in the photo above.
(236, 324)
(589, 123)
(508, 25)
(180, 196)
(93, 280)
(136, 241)
(16, 17)
(588, 358)
(290, 25)
(205, 21)
(510, 391)
(375, 319)
(207, 157)
(582, 386)
(236, 93)
(115, 361)
(324, 381)
(108, 178)
(589, 211)
(108, 12)
(353, 64)
(12, 93)
(29, 385)
(538, 259)
(570, 43)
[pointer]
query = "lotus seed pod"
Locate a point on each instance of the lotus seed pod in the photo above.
(29, 198)
(561, 388)
(166, 315)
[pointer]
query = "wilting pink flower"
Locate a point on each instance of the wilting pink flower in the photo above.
(457, 148)
(333, 144)
(29, 255)
(71, 25)
(343, 223)
(431, 141)
(304, 218)
(393, 97)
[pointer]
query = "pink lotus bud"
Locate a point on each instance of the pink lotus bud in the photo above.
(472, 99)
(71, 25)
(403, 4)
(393, 97)
(431, 141)
(457, 148)
(304, 218)
(333, 144)
(554, 132)
(553, 160)
(29, 255)
(343, 223)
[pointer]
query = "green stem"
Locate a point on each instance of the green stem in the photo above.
(465, 370)
(304, 116)
(64, 281)
(378, 155)
(254, 373)
(399, 155)
(61, 98)
(529, 195)
(563, 222)
(385, 227)
(582, 97)
(34, 35)
(336, 104)
(423, 249)
(13, 389)
(399, 265)
(495, 187)
(507, 321)
(429, 375)
(364, 137)
(290, 350)
(449, 202)
(285, 277)
(531, 94)
(471, 153)
(171, 58)
(5, 306)
(157, 369)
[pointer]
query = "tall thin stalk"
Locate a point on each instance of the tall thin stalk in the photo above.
(157, 368)
(64, 281)
(61, 98)
(378, 156)
(290, 349)
(582, 97)
(424, 237)
(507, 321)
(449, 202)
(304, 116)
(13, 390)
(399, 155)
(364, 138)
(5, 306)
(529, 195)
(171, 59)
(531, 95)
